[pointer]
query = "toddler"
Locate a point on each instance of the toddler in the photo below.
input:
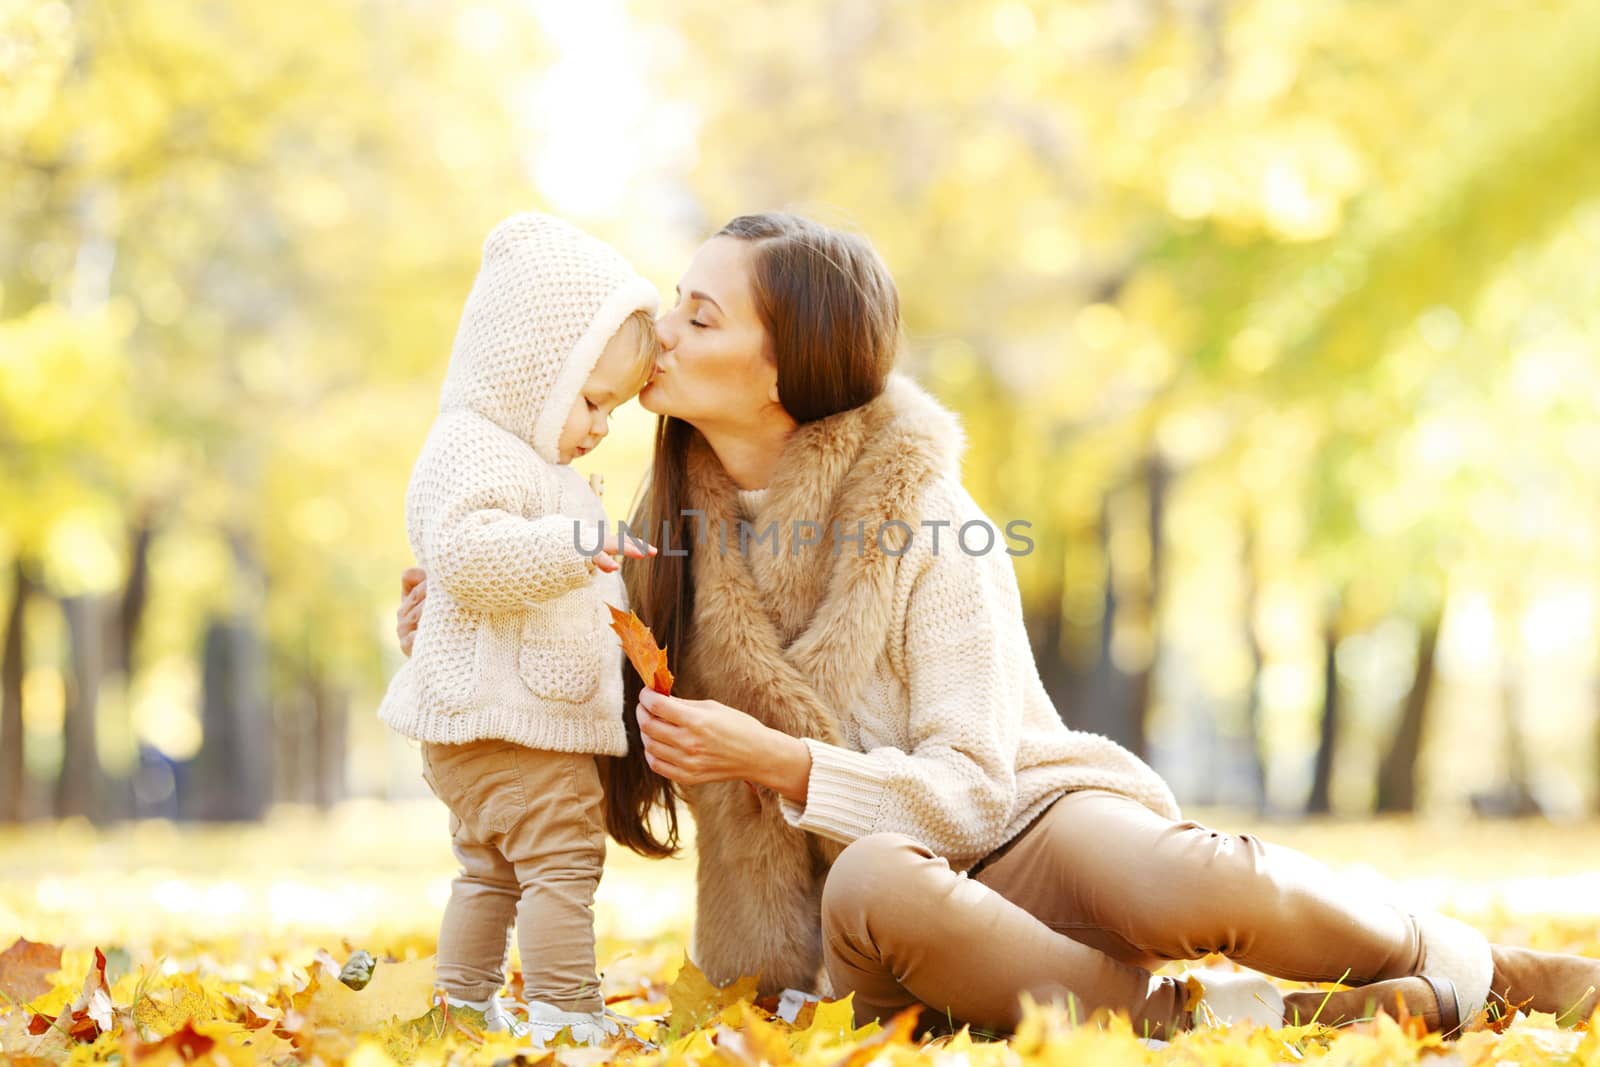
(514, 684)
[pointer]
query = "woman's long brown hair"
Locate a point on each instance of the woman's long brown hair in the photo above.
(832, 318)
(663, 597)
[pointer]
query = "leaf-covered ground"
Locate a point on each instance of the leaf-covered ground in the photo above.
(158, 944)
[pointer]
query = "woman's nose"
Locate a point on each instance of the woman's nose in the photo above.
(665, 333)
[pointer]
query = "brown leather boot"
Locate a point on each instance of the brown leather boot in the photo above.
(1431, 1000)
(1565, 986)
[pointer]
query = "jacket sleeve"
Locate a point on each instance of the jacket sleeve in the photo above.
(955, 788)
(465, 504)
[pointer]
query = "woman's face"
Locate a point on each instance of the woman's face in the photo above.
(715, 368)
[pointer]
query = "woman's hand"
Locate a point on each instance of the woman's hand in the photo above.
(696, 741)
(413, 591)
(606, 558)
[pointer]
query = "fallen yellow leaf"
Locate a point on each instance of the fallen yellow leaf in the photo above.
(397, 991)
(696, 1000)
(833, 1022)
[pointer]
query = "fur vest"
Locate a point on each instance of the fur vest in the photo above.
(795, 635)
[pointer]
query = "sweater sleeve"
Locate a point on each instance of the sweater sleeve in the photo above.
(473, 540)
(955, 788)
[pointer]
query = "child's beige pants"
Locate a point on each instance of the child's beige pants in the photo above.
(1085, 903)
(527, 828)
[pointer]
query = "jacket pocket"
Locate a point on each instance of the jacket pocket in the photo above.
(565, 668)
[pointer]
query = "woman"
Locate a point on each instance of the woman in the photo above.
(882, 789)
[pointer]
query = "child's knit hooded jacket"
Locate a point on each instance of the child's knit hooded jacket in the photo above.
(514, 641)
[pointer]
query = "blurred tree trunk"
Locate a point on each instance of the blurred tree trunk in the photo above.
(1106, 711)
(1065, 676)
(1397, 774)
(1320, 801)
(1252, 712)
(1046, 634)
(13, 765)
(124, 640)
(1157, 479)
(331, 707)
(1517, 799)
(234, 770)
(309, 744)
(120, 640)
(1045, 621)
(79, 788)
(290, 717)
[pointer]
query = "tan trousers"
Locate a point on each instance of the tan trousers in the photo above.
(527, 829)
(1081, 906)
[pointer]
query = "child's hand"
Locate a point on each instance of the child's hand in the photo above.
(606, 558)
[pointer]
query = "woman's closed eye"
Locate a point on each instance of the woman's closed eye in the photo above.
(697, 322)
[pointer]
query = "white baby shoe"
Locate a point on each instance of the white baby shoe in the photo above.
(496, 1014)
(546, 1021)
(792, 1000)
(1233, 998)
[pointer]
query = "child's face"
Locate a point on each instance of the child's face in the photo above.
(609, 386)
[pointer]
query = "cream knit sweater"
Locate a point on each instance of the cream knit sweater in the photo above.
(955, 741)
(909, 675)
(515, 641)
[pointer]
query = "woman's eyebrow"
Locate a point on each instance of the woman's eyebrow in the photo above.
(696, 294)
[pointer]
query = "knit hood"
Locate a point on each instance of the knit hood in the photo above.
(546, 300)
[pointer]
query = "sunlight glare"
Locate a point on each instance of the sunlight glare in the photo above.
(588, 110)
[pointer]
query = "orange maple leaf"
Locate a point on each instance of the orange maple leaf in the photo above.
(187, 1043)
(647, 657)
(25, 968)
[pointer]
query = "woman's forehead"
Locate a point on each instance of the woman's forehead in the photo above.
(721, 270)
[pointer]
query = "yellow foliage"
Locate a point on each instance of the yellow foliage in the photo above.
(1336, 259)
(168, 1018)
(237, 935)
(696, 1000)
(397, 991)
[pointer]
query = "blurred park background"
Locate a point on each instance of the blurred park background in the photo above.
(1277, 320)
